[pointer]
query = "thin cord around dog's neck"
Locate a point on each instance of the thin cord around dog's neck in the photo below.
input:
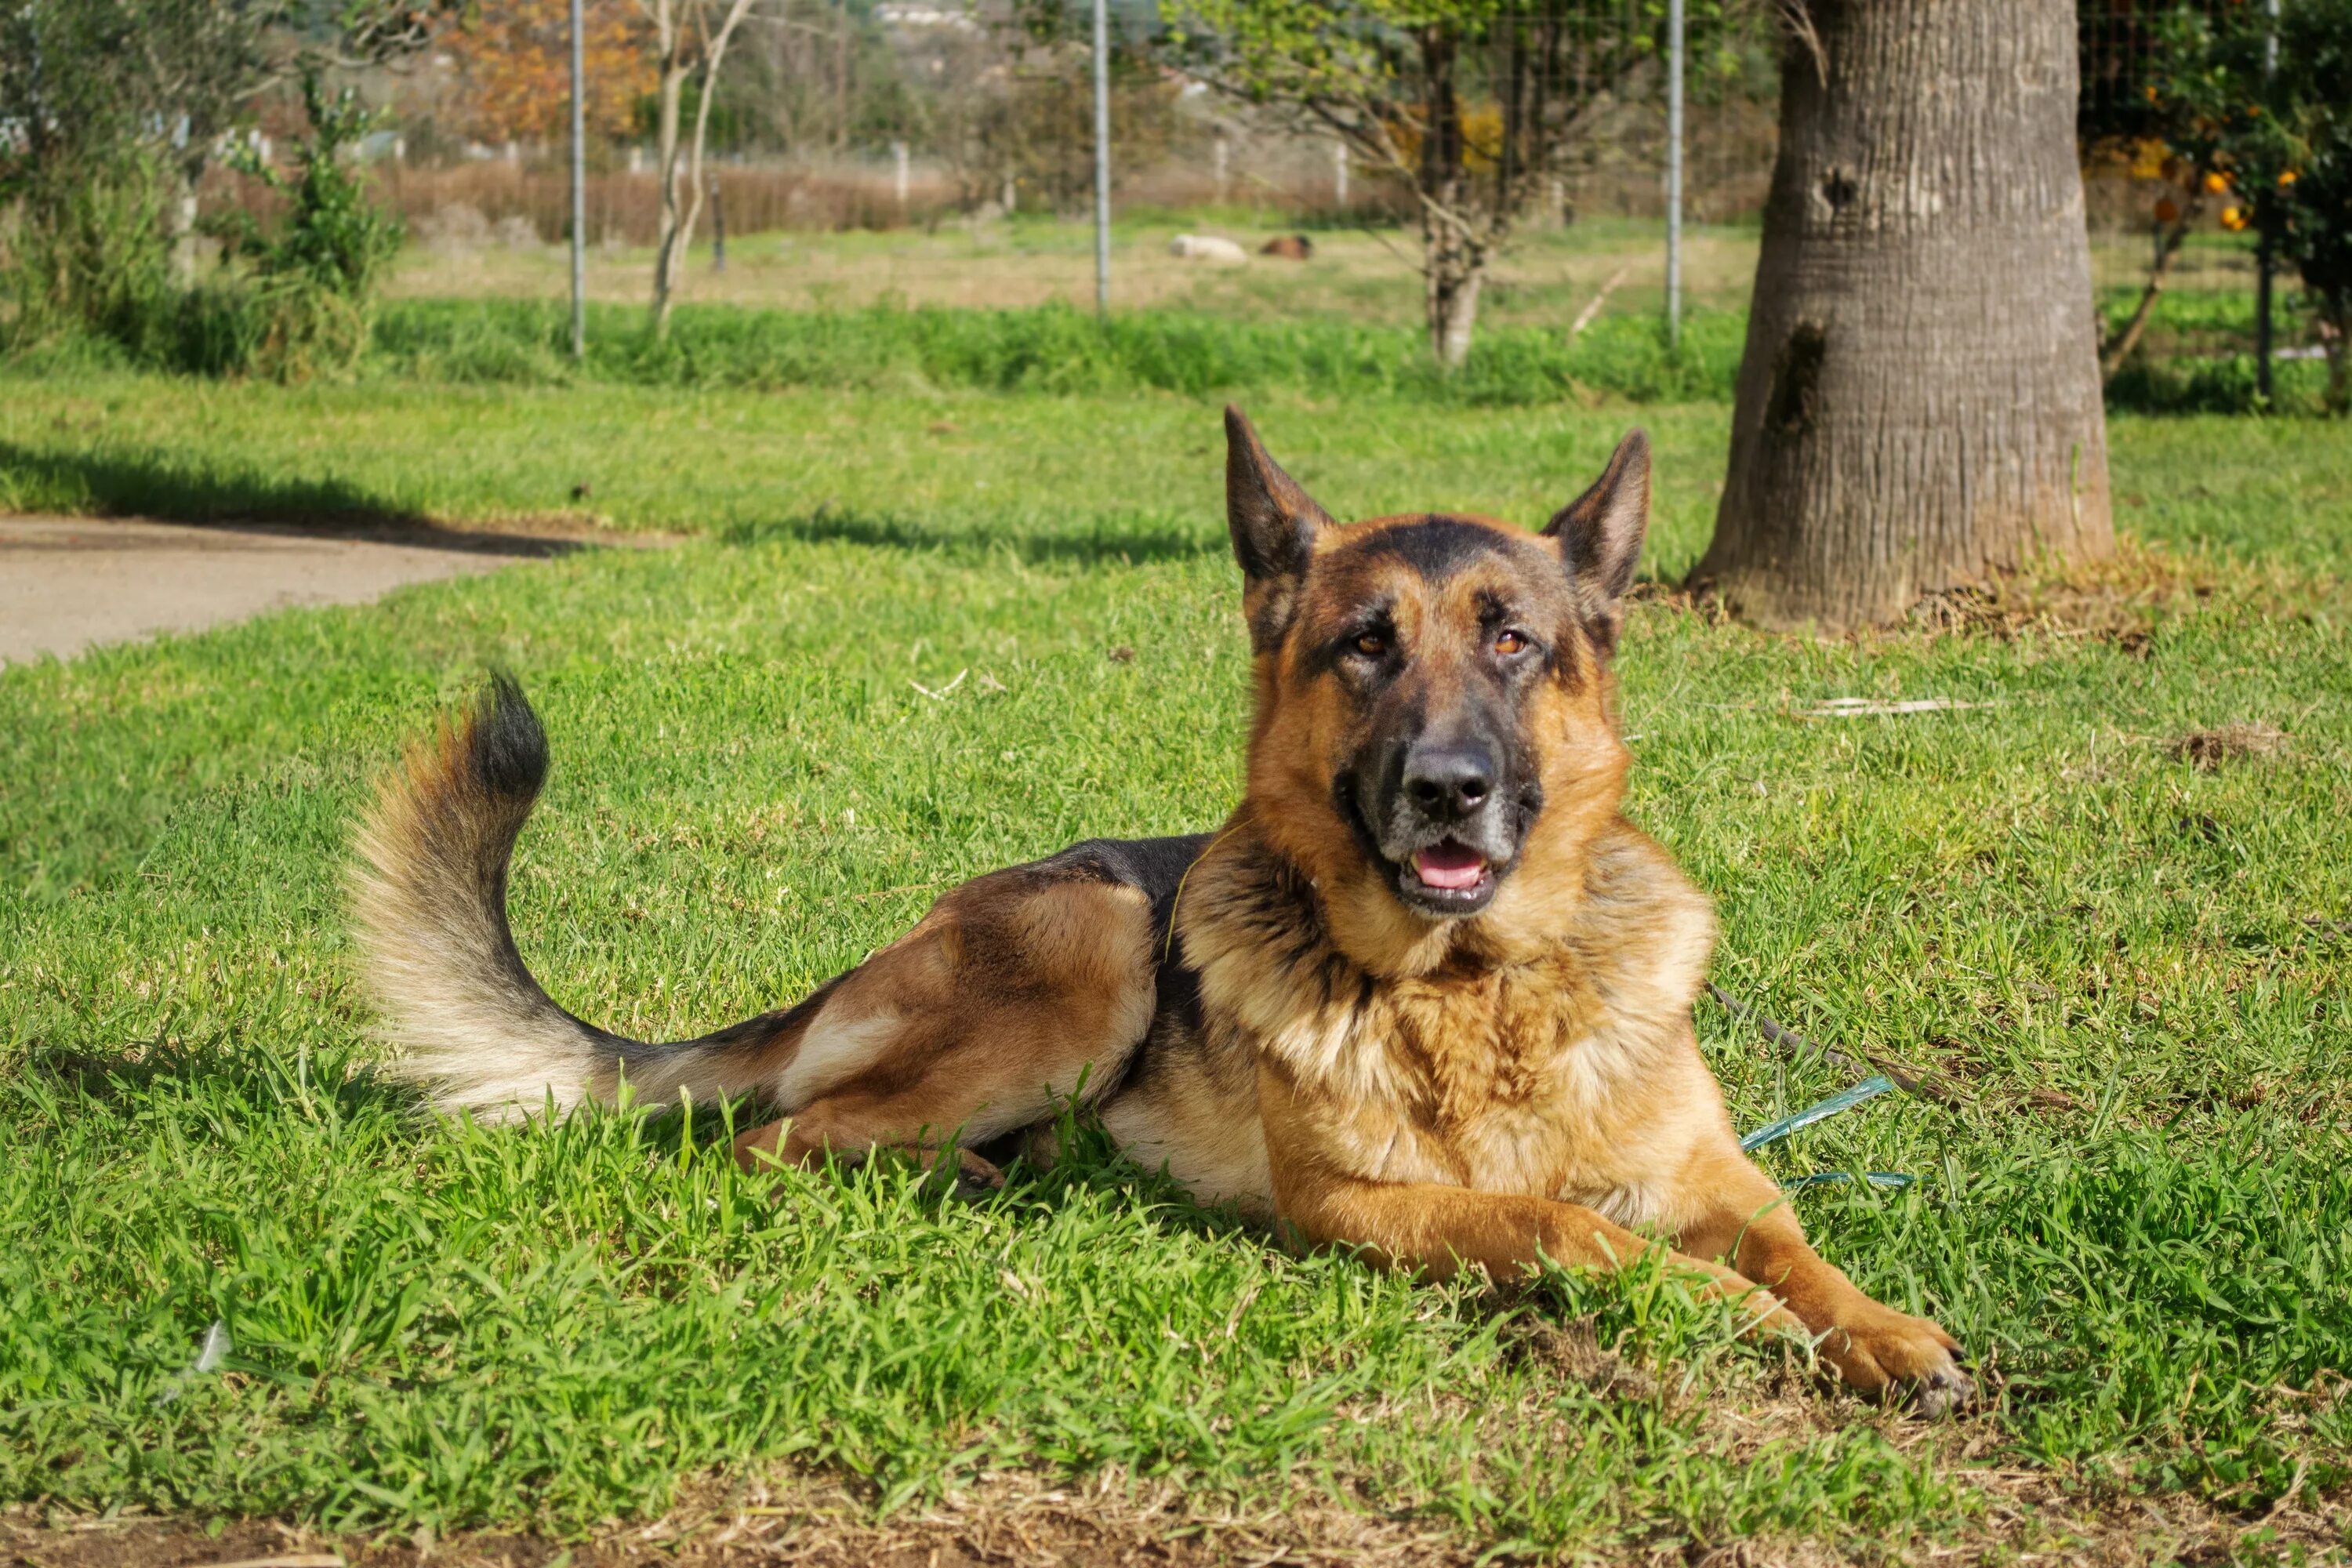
(1177, 901)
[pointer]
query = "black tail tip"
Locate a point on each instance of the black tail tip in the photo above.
(506, 748)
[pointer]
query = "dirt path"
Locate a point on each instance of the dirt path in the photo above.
(70, 583)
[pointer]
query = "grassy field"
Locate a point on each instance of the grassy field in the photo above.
(1544, 279)
(1008, 308)
(1356, 274)
(554, 1330)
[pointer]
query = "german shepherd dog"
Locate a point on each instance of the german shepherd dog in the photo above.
(1425, 994)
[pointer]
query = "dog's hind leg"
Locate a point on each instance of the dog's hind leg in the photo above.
(1018, 989)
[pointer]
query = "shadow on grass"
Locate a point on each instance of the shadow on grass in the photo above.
(1040, 1175)
(114, 485)
(121, 487)
(145, 487)
(237, 1082)
(1123, 540)
(226, 1074)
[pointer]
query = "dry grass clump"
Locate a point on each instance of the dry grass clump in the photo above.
(2209, 749)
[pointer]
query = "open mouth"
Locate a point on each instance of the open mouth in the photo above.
(1449, 878)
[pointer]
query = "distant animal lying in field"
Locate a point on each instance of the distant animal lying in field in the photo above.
(1289, 247)
(1208, 247)
(1425, 992)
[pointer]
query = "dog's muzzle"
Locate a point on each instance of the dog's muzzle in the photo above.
(1449, 824)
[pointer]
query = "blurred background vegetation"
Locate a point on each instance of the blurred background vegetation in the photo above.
(297, 188)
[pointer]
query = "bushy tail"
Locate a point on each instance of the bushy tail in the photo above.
(472, 1023)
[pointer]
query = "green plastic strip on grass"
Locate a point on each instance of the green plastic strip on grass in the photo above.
(1831, 1178)
(1844, 1099)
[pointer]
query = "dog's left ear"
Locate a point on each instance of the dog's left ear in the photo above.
(1600, 535)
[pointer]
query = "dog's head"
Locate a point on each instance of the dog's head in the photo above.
(1434, 738)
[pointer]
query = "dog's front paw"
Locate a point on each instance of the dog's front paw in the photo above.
(1890, 1356)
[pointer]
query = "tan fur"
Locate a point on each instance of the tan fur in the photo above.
(429, 956)
(1004, 1001)
(1492, 1090)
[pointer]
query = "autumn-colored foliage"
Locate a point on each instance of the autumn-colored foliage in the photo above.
(514, 57)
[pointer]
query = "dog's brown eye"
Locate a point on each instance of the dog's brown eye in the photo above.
(1508, 643)
(1371, 645)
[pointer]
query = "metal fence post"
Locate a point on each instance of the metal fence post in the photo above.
(1102, 158)
(2265, 263)
(1674, 172)
(579, 191)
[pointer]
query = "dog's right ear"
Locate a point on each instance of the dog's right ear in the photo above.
(1273, 524)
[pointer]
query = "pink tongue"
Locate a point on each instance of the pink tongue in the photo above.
(1449, 866)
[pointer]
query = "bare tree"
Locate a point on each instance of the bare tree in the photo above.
(1468, 104)
(688, 46)
(1920, 404)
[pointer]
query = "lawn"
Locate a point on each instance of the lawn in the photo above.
(552, 1330)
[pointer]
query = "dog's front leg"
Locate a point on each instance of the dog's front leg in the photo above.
(1436, 1230)
(1876, 1350)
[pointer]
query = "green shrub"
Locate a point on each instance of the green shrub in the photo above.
(90, 260)
(315, 275)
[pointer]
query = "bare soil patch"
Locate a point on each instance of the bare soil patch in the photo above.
(2021, 1514)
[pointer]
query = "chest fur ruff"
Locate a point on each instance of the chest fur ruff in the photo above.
(1563, 1067)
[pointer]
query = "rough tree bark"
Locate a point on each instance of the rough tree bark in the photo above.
(1920, 403)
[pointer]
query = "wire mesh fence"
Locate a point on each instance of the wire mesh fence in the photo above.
(925, 113)
(991, 104)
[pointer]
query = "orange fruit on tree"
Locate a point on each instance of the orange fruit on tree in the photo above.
(2286, 178)
(2216, 182)
(2233, 218)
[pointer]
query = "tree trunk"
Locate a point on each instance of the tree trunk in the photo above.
(1453, 246)
(1920, 403)
(2335, 343)
(669, 260)
(180, 219)
(2112, 359)
(1453, 273)
(676, 224)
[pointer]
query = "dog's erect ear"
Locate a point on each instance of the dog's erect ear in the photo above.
(1600, 535)
(1273, 521)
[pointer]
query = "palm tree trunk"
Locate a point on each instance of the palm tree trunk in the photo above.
(1920, 404)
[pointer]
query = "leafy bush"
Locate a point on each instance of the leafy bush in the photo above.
(2256, 101)
(92, 276)
(314, 277)
(90, 257)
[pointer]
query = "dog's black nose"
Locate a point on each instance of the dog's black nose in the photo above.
(1448, 781)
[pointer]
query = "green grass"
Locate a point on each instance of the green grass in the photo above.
(1049, 349)
(551, 1328)
(2196, 361)
(1005, 307)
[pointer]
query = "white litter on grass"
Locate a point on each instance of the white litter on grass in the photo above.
(209, 1357)
(940, 695)
(1867, 707)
